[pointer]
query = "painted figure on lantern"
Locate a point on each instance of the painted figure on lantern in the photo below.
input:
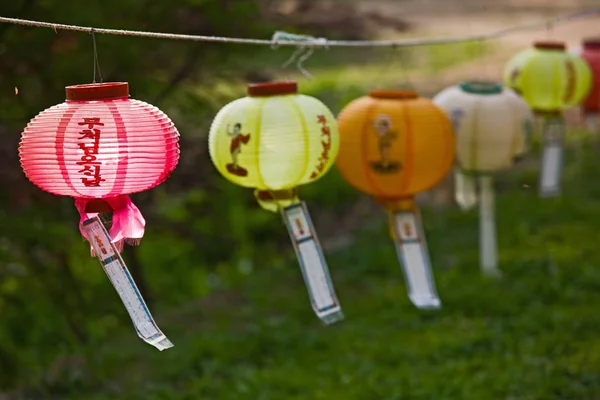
(237, 139)
(382, 125)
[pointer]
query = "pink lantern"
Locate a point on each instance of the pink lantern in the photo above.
(98, 147)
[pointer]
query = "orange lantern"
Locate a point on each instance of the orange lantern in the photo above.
(394, 145)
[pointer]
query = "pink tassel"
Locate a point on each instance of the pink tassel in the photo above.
(127, 221)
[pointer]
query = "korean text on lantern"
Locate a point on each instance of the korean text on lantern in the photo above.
(91, 166)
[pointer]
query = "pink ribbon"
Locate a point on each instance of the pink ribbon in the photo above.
(127, 221)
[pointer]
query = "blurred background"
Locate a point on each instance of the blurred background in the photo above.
(219, 273)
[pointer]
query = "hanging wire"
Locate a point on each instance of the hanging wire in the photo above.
(483, 58)
(406, 78)
(390, 60)
(96, 62)
(549, 30)
(550, 24)
(588, 13)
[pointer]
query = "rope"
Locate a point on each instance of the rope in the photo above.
(301, 40)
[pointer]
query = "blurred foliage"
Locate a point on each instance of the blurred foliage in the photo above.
(219, 273)
(51, 292)
(56, 304)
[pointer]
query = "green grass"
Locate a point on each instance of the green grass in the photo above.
(530, 335)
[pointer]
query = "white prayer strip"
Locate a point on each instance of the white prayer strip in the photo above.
(121, 279)
(465, 190)
(312, 263)
(552, 156)
(414, 258)
(488, 242)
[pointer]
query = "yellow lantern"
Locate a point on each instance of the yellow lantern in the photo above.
(274, 140)
(492, 126)
(550, 80)
(394, 145)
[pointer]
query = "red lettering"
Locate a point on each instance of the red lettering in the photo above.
(91, 167)
(570, 91)
(326, 143)
(91, 122)
(99, 243)
(93, 134)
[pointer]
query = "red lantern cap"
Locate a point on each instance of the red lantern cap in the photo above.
(591, 43)
(393, 94)
(550, 45)
(272, 89)
(97, 91)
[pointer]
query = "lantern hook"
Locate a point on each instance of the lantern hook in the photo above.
(96, 62)
(293, 57)
(303, 51)
(301, 60)
(300, 55)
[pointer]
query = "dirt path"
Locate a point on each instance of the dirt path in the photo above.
(463, 17)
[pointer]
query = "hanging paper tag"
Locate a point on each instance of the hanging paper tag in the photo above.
(488, 243)
(414, 258)
(121, 279)
(312, 263)
(465, 191)
(552, 156)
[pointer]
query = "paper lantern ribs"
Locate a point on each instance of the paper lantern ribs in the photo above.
(394, 145)
(550, 80)
(98, 147)
(275, 140)
(590, 53)
(492, 126)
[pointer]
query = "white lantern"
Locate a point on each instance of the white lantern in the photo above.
(493, 126)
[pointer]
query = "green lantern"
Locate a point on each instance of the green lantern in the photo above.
(550, 80)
